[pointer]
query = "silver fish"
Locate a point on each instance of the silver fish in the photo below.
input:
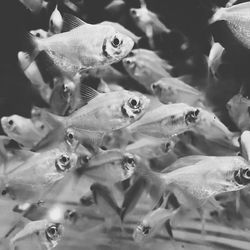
(55, 22)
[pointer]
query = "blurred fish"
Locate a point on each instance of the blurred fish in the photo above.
(33, 5)
(149, 148)
(245, 144)
(238, 110)
(61, 99)
(236, 19)
(48, 233)
(110, 167)
(115, 6)
(122, 30)
(167, 121)
(148, 22)
(215, 60)
(55, 22)
(173, 90)
(106, 203)
(40, 33)
(115, 110)
(23, 130)
(37, 175)
(153, 222)
(99, 45)
(146, 67)
(32, 72)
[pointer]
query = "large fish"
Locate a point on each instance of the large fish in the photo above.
(82, 46)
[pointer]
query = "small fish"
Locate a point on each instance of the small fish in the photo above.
(115, 6)
(238, 110)
(146, 67)
(149, 148)
(33, 178)
(148, 22)
(106, 203)
(61, 99)
(48, 233)
(34, 6)
(32, 72)
(103, 113)
(55, 22)
(23, 130)
(236, 19)
(110, 167)
(245, 144)
(40, 33)
(166, 121)
(98, 45)
(173, 90)
(153, 222)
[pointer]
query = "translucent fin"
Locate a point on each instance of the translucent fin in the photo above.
(70, 22)
(87, 93)
(29, 45)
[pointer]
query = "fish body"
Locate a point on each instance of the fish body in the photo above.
(245, 144)
(83, 47)
(146, 67)
(23, 130)
(166, 121)
(110, 167)
(236, 18)
(173, 90)
(238, 110)
(35, 176)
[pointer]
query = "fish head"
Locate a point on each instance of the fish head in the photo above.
(40, 33)
(56, 22)
(117, 45)
(140, 15)
(65, 162)
(128, 165)
(163, 91)
(53, 234)
(130, 64)
(134, 105)
(239, 110)
(142, 232)
(242, 176)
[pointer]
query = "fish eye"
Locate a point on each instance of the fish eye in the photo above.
(144, 229)
(166, 146)
(52, 232)
(84, 159)
(191, 116)
(134, 102)
(63, 163)
(247, 174)
(38, 34)
(10, 122)
(69, 136)
(242, 176)
(128, 161)
(133, 12)
(116, 42)
(70, 215)
(51, 22)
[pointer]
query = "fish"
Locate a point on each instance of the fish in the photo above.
(148, 22)
(110, 167)
(173, 90)
(106, 203)
(55, 22)
(244, 144)
(23, 130)
(115, 110)
(149, 148)
(62, 97)
(153, 222)
(48, 233)
(146, 67)
(33, 178)
(238, 110)
(115, 6)
(34, 6)
(99, 45)
(236, 19)
(33, 73)
(166, 121)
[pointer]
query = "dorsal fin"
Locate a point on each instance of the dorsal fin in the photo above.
(87, 93)
(71, 22)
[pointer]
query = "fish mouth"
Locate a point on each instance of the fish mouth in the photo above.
(8, 125)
